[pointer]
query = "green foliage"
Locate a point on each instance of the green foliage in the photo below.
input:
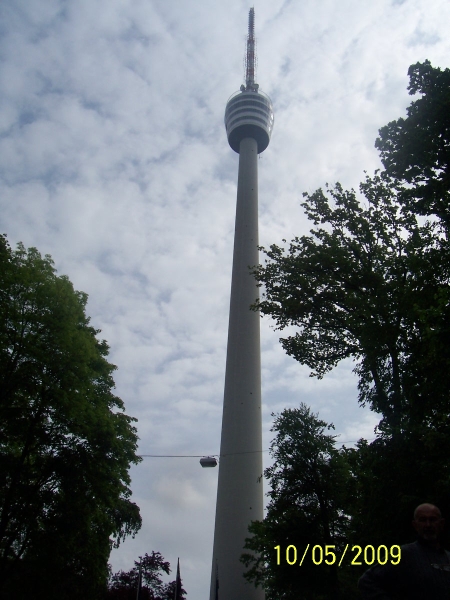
(392, 476)
(371, 283)
(368, 283)
(416, 150)
(65, 443)
(311, 493)
(123, 585)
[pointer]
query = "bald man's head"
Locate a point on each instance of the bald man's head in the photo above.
(427, 507)
(428, 523)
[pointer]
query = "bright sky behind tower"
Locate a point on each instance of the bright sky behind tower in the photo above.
(114, 160)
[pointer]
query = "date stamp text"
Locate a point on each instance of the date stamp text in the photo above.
(357, 555)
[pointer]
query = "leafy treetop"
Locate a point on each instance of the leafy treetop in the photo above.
(416, 151)
(65, 443)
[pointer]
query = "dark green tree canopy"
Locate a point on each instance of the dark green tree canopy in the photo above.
(308, 472)
(416, 150)
(123, 585)
(367, 283)
(65, 443)
(310, 495)
(371, 283)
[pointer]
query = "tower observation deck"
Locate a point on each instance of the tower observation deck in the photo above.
(249, 112)
(240, 499)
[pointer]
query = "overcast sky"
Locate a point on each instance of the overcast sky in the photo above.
(114, 160)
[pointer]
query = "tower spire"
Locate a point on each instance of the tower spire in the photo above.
(250, 56)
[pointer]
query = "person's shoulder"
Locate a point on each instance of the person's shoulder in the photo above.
(409, 554)
(419, 552)
(412, 547)
(417, 547)
(409, 549)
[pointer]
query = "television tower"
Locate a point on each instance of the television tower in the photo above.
(249, 123)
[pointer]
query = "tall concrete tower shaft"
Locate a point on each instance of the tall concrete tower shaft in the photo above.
(249, 123)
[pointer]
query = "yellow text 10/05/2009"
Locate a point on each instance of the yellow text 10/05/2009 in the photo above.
(357, 555)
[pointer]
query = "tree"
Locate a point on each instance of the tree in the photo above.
(369, 283)
(416, 150)
(391, 478)
(65, 443)
(123, 585)
(310, 497)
